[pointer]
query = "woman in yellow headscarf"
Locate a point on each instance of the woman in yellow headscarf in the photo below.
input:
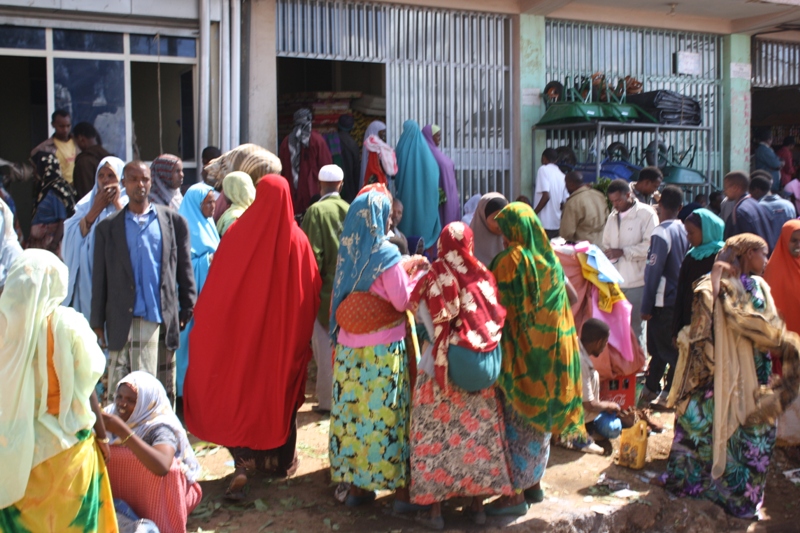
(238, 188)
(54, 476)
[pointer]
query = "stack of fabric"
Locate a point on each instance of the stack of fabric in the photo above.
(597, 283)
(326, 107)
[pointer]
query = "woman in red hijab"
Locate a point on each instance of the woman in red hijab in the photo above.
(783, 275)
(251, 342)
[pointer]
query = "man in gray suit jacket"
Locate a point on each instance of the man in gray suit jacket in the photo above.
(142, 281)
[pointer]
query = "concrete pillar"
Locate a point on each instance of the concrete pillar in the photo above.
(736, 103)
(532, 79)
(259, 113)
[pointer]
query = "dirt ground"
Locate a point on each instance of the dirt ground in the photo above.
(573, 502)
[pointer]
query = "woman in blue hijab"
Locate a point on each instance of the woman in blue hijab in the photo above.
(197, 208)
(417, 183)
(105, 199)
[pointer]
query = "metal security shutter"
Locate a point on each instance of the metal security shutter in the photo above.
(453, 69)
(331, 30)
(579, 50)
(775, 63)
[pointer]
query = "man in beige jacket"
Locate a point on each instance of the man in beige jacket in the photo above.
(585, 212)
(626, 239)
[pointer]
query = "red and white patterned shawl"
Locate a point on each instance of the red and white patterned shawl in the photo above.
(461, 294)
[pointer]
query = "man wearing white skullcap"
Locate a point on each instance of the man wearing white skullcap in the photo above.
(323, 225)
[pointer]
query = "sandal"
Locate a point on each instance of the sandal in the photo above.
(236, 489)
(520, 509)
(356, 501)
(534, 495)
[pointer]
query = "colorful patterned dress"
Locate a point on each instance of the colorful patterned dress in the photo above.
(541, 373)
(457, 444)
(372, 385)
(745, 313)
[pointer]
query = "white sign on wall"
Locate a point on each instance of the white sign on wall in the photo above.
(740, 71)
(689, 63)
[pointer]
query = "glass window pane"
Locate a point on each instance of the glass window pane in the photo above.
(94, 91)
(149, 45)
(174, 133)
(87, 41)
(22, 37)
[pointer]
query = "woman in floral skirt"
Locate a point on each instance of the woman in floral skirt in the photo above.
(725, 409)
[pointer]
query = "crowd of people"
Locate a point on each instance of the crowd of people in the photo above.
(450, 343)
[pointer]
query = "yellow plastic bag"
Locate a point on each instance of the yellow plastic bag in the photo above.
(633, 446)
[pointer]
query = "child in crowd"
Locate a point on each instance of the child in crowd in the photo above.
(602, 420)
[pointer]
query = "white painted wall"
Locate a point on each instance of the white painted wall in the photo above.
(177, 9)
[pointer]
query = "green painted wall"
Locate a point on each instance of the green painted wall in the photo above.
(736, 103)
(531, 82)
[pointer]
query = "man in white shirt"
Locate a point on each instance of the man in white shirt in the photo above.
(551, 193)
(626, 240)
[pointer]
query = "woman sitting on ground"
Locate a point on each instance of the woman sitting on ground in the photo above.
(157, 474)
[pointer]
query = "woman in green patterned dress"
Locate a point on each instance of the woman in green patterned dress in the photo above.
(725, 409)
(541, 373)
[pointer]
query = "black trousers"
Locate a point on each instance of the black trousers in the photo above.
(660, 347)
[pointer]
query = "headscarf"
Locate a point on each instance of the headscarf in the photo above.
(783, 276)
(373, 129)
(78, 250)
(161, 172)
(469, 209)
(153, 410)
(462, 297)
(263, 291)
(10, 248)
(204, 240)
(34, 290)
(541, 372)
(377, 187)
(713, 228)
(738, 245)
(50, 179)
(238, 188)
(298, 139)
(418, 185)
(487, 244)
(450, 210)
(364, 249)
(249, 158)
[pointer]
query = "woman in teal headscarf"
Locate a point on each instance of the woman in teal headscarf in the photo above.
(197, 208)
(373, 367)
(704, 230)
(417, 183)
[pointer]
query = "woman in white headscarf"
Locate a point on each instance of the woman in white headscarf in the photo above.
(469, 209)
(10, 248)
(54, 475)
(384, 160)
(105, 199)
(152, 467)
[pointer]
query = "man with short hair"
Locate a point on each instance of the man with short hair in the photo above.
(585, 211)
(208, 154)
(91, 153)
(551, 192)
(396, 236)
(322, 224)
(700, 201)
(626, 240)
(668, 247)
(777, 210)
(747, 216)
(766, 159)
(715, 203)
(647, 184)
(61, 144)
(142, 281)
(601, 417)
